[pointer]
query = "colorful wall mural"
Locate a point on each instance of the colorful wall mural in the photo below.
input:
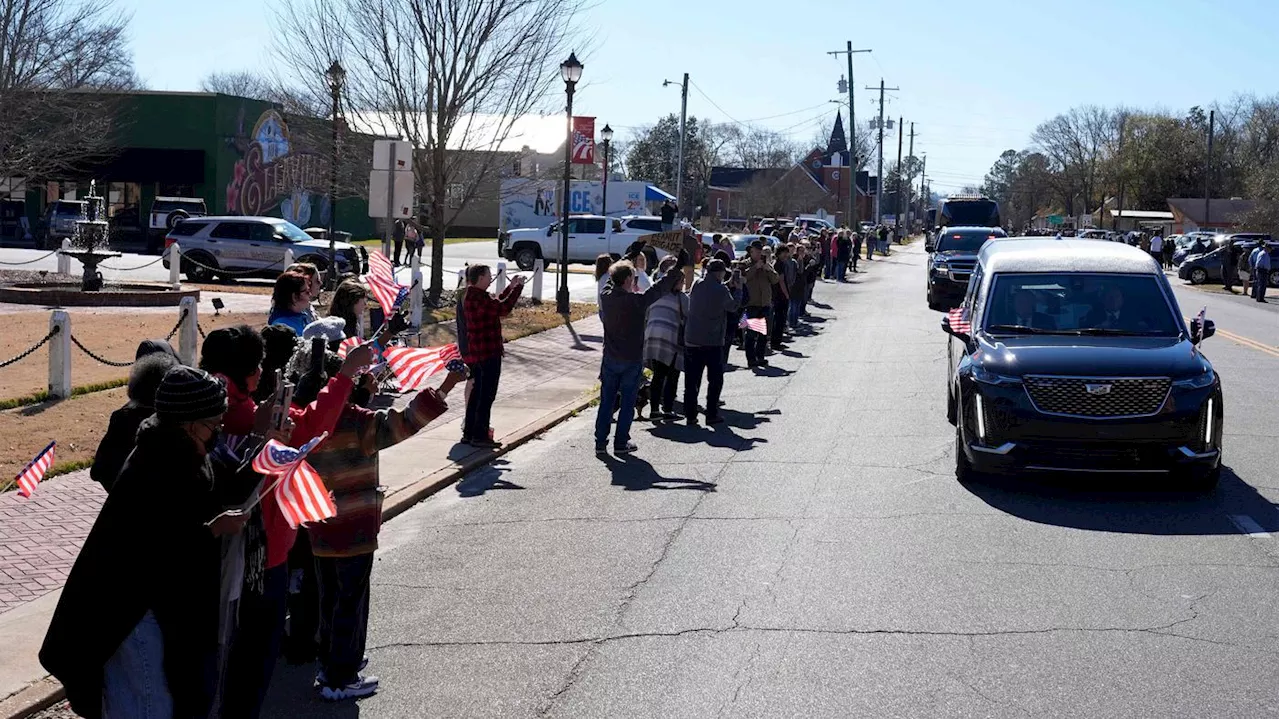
(274, 173)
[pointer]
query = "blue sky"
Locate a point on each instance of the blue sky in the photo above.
(975, 77)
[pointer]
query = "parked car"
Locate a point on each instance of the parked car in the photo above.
(742, 242)
(588, 239)
(1077, 359)
(1199, 269)
(1192, 244)
(253, 246)
(1093, 234)
(166, 212)
(955, 252)
(59, 222)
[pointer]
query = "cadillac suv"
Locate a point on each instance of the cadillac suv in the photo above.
(1072, 356)
(955, 252)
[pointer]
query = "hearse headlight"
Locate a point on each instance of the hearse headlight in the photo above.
(1200, 381)
(986, 376)
(941, 269)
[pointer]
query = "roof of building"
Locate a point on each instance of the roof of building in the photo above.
(1044, 254)
(1221, 210)
(1143, 214)
(737, 176)
(837, 143)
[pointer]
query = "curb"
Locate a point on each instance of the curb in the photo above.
(48, 691)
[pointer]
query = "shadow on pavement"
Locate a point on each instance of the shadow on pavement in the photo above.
(1127, 505)
(636, 475)
(773, 372)
(292, 696)
(720, 435)
(486, 478)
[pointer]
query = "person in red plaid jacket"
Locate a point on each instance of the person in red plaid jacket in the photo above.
(482, 313)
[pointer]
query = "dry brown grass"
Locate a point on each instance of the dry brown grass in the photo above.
(77, 424)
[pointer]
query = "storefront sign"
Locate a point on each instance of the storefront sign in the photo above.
(274, 174)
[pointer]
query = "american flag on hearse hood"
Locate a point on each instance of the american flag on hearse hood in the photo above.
(299, 491)
(959, 320)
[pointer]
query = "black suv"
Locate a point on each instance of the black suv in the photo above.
(955, 252)
(1072, 356)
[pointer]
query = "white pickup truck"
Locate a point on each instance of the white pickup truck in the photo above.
(589, 237)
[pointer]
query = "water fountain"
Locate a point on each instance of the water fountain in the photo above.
(90, 240)
(90, 245)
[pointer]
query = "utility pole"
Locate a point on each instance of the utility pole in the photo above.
(684, 107)
(911, 153)
(848, 52)
(880, 150)
(897, 190)
(1115, 216)
(1208, 170)
(924, 161)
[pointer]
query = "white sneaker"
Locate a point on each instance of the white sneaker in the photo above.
(361, 687)
(322, 678)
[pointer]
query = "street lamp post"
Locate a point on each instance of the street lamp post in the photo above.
(571, 71)
(336, 77)
(606, 135)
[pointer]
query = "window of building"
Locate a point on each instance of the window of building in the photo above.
(515, 167)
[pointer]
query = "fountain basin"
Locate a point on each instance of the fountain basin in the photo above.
(112, 294)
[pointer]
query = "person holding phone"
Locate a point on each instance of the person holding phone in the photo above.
(483, 315)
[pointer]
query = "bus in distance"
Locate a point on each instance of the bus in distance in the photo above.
(968, 211)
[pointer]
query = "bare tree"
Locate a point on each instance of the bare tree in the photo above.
(53, 53)
(1076, 143)
(452, 77)
(268, 89)
(750, 146)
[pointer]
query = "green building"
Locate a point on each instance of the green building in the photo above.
(242, 156)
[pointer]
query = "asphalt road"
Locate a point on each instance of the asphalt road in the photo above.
(815, 557)
(130, 266)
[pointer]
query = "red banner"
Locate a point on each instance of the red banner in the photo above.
(584, 141)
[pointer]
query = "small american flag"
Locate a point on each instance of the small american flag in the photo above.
(31, 475)
(347, 345)
(388, 292)
(413, 365)
(380, 266)
(299, 492)
(755, 324)
(959, 320)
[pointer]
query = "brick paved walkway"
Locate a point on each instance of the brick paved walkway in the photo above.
(42, 535)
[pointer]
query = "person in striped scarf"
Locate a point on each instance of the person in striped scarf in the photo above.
(344, 545)
(663, 347)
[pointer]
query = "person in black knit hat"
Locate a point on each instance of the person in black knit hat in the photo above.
(135, 632)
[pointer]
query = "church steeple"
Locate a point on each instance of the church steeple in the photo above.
(837, 143)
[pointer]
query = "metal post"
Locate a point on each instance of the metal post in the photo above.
(1120, 195)
(880, 156)
(604, 184)
(188, 339)
(536, 284)
(175, 265)
(562, 264)
(391, 202)
(415, 292)
(853, 146)
(684, 107)
(60, 355)
(288, 257)
(64, 260)
(333, 191)
(897, 190)
(924, 161)
(1208, 171)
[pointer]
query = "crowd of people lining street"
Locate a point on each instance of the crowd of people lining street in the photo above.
(192, 583)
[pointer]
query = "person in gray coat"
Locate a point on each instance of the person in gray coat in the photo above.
(704, 337)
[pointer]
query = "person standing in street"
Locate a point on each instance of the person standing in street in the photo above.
(1260, 265)
(622, 366)
(668, 214)
(483, 314)
(786, 274)
(1156, 248)
(397, 239)
(824, 248)
(759, 278)
(870, 241)
(704, 333)
(797, 291)
(884, 240)
(844, 250)
(1230, 259)
(662, 349)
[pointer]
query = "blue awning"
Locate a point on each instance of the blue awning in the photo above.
(653, 194)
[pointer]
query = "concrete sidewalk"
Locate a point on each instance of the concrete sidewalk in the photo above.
(546, 378)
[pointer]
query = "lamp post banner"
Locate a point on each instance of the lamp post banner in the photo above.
(584, 141)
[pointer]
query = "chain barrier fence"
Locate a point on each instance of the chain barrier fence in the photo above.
(131, 269)
(53, 331)
(29, 262)
(76, 341)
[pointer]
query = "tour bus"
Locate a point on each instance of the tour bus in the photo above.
(968, 211)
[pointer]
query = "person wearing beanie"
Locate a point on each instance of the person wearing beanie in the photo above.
(135, 632)
(279, 343)
(122, 429)
(704, 335)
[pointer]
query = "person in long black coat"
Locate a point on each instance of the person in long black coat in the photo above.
(151, 553)
(153, 359)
